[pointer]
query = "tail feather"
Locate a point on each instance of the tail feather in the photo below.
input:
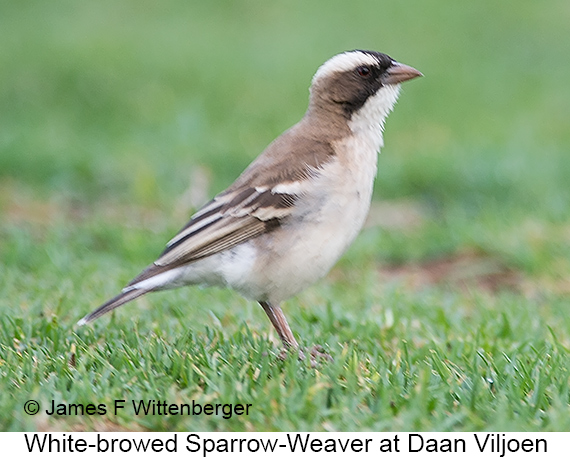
(115, 302)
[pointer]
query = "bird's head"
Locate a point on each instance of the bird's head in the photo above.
(364, 83)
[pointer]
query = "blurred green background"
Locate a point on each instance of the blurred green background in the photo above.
(121, 101)
(118, 118)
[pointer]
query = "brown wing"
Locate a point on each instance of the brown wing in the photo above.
(228, 220)
(247, 209)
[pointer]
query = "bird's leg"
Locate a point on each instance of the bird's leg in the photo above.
(277, 318)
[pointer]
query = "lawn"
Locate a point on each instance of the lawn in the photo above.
(449, 312)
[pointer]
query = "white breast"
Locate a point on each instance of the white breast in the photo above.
(328, 218)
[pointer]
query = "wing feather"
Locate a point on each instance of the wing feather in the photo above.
(230, 219)
(221, 234)
(255, 204)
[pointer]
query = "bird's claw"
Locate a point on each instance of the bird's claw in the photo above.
(315, 353)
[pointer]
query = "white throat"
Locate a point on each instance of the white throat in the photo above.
(368, 122)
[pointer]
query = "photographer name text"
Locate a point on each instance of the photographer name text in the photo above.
(149, 408)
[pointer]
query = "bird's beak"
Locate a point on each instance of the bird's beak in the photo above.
(399, 73)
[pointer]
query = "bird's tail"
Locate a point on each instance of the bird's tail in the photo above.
(115, 302)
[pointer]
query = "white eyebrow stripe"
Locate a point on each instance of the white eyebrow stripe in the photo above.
(344, 62)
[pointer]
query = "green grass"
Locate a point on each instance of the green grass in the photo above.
(111, 112)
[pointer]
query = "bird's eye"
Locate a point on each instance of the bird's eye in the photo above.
(363, 70)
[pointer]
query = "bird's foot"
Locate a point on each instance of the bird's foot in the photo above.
(315, 353)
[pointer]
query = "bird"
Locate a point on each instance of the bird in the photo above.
(286, 220)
